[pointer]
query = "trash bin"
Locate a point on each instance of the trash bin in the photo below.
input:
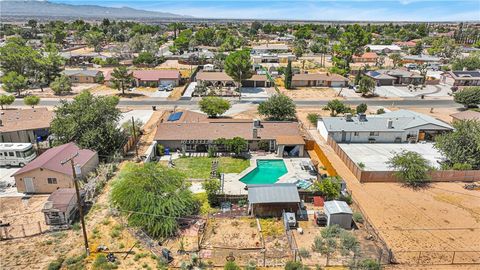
(154, 108)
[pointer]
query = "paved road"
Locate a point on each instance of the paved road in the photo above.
(300, 103)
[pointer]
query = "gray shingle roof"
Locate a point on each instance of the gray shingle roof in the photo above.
(276, 193)
(83, 72)
(336, 207)
(402, 120)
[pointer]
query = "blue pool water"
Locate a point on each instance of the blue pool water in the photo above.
(267, 172)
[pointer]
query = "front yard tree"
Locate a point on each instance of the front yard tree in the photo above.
(212, 187)
(461, 146)
(238, 145)
(335, 107)
(91, 122)
(31, 100)
(214, 106)
(288, 75)
(121, 79)
(469, 97)
(61, 85)
(361, 108)
(6, 100)
(94, 39)
(14, 82)
(238, 66)
(396, 59)
(366, 85)
(153, 198)
(278, 107)
(411, 168)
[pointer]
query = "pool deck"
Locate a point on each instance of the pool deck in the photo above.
(233, 185)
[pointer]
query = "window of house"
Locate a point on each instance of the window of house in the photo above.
(11, 154)
(374, 133)
(356, 134)
(52, 180)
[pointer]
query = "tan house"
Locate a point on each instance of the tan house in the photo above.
(83, 75)
(368, 57)
(319, 80)
(193, 132)
(222, 79)
(25, 126)
(45, 174)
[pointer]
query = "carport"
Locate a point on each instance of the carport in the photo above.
(273, 200)
(293, 146)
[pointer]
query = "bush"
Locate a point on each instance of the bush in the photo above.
(369, 264)
(291, 265)
(469, 96)
(56, 264)
(348, 242)
(362, 108)
(160, 150)
(304, 253)
(313, 118)
(231, 266)
(264, 145)
(331, 231)
(212, 186)
(380, 111)
(462, 166)
(214, 106)
(61, 85)
(346, 198)
(101, 263)
(357, 217)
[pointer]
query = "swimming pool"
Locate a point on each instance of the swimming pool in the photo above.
(267, 172)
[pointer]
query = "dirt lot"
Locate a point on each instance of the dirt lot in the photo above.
(420, 226)
(310, 93)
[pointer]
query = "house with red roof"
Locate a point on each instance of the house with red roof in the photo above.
(45, 174)
(368, 57)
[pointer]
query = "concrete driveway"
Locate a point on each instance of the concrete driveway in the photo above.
(390, 91)
(7, 182)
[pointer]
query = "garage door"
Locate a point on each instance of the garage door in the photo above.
(260, 84)
(167, 82)
(337, 84)
(247, 83)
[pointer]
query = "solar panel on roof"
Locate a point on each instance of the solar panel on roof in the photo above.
(175, 116)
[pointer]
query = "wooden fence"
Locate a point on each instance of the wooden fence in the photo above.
(312, 145)
(388, 176)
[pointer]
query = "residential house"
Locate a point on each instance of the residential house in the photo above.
(319, 80)
(152, 77)
(421, 59)
(273, 58)
(368, 57)
(466, 115)
(61, 207)
(83, 75)
(461, 78)
(273, 200)
(45, 174)
(194, 132)
(220, 78)
(25, 126)
(395, 77)
(384, 49)
(406, 44)
(392, 127)
(270, 48)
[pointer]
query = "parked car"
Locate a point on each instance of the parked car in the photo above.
(165, 87)
(411, 66)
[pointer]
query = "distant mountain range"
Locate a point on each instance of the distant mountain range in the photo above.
(38, 9)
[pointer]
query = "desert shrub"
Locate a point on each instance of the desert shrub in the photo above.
(101, 263)
(348, 243)
(380, 111)
(56, 264)
(331, 231)
(313, 118)
(291, 265)
(231, 266)
(139, 256)
(357, 217)
(303, 253)
(462, 166)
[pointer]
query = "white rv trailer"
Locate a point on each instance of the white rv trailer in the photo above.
(16, 154)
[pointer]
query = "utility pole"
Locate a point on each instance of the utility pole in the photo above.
(79, 204)
(134, 137)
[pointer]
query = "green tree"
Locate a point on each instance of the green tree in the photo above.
(418, 49)
(313, 118)
(145, 58)
(411, 168)
(212, 187)
(231, 265)
(472, 62)
(6, 100)
(238, 66)
(214, 106)
(61, 85)
(31, 100)
(48, 68)
(361, 108)
(366, 85)
(121, 79)
(288, 76)
(369, 264)
(329, 187)
(91, 122)
(335, 107)
(183, 40)
(325, 246)
(461, 146)
(153, 198)
(16, 56)
(292, 265)
(238, 145)
(278, 107)
(14, 82)
(351, 42)
(469, 96)
(94, 39)
(396, 59)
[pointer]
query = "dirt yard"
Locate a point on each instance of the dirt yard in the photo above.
(239, 233)
(310, 93)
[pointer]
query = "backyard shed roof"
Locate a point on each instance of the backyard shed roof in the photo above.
(81, 72)
(337, 207)
(60, 199)
(53, 157)
(276, 193)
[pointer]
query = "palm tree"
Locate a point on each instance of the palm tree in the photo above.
(121, 79)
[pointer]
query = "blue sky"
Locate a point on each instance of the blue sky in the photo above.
(388, 10)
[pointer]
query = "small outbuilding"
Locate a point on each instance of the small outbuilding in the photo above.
(338, 212)
(273, 200)
(61, 207)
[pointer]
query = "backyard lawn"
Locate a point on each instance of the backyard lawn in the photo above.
(199, 167)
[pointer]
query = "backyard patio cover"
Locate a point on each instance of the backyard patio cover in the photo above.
(276, 193)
